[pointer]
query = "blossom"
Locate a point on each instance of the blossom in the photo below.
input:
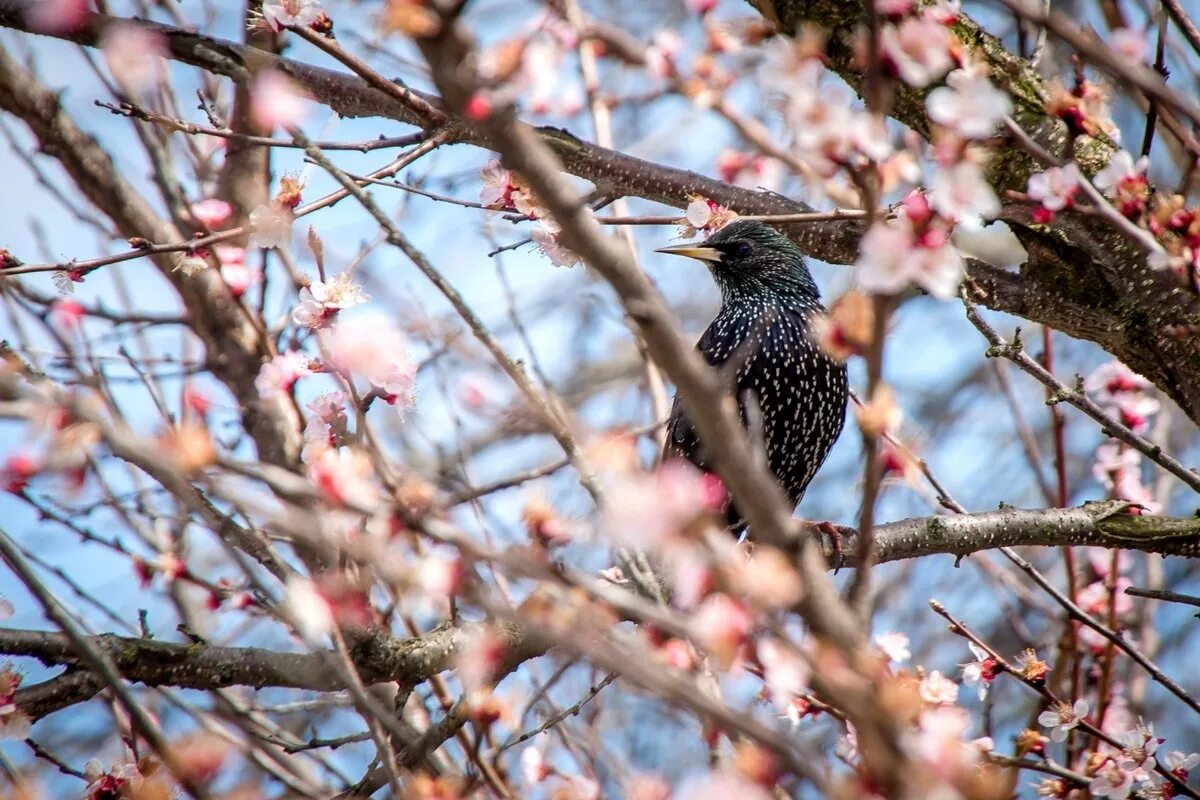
(1122, 393)
(1062, 718)
(56, 16)
(321, 300)
(545, 236)
(377, 351)
(327, 425)
(1179, 763)
(211, 213)
(892, 255)
(982, 670)
(664, 48)
(704, 215)
(190, 263)
(1121, 169)
(311, 612)
(959, 192)
(919, 49)
(653, 510)
(280, 373)
(894, 645)
(66, 314)
(785, 671)
(279, 14)
(495, 185)
(847, 746)
(272, 225)
(968, 104)
(344, 477)
(1111, 781)
(721, 626)
(65, 279)
(134, 55)
(722, 785)
(939, 740)
(276, 101)
(937, 689)
(238, 276)
(533, 765)
(1129, 44)
(1138, 747)
(994, 243)
(1055, 187)
(1094, 598)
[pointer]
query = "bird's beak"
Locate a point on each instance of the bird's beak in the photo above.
(710, 254)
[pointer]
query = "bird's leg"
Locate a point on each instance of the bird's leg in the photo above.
(838, 557)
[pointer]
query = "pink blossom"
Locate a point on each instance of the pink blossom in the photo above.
(919, 49)
(441, 575)
(56, 16)
(944, 12)
(968, 104)
(480, 657)
(959, 192)
(343, 477)
(533, 766)
(847, 746)
(191, 263)
(65, 280)
(1129, 44)
(894, 645)
(895, 8)
(1179, 763)
(280, 373)
(1121, 392)
(700, 6)
(1121, 169)
(721, 626)
(1094, 598)
(785, 671)
(545, 236)
(664, 47)
(272, 225)
(1055, 187)
(652, 510)
(1138, 747)
(936, 688)
(496, 185)
(310, 611)
(378, 351)
(980, 671)
(66, 314)
(239, 277)
(283, 13)
(321, 300)
(892, 255)
(134, 55)
(277, 101)
(1062, 718)
(327, 424)
(212, 213)
(939, 740)
(1111, 781)
(722, 786)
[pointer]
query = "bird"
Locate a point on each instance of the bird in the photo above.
(789, 391)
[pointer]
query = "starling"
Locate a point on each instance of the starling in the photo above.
(789, 391)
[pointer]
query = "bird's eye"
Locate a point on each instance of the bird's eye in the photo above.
(741, 249)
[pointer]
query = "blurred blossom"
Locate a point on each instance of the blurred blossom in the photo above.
(1180, 763)
(376, 350)
(936, 688)
(344, 477)
(65, 280)
(310, 610)
(1062, 718)
(847, 745)
(134, 55)
(479, 659)
(280, 373)
(191, 263)
(1121, 392)
(994, 243)
(238, 276)
(327, 425)
(277, 101)
(1094, 598)
(495, 185)
(960, 193)
(722, 626)
(968, 104)
(545, 237)
(281, 13)
(272, 226)
(1131, 45)
(534, 768)
(1120, 170)
(664, 48)
(66, 315)
(321, 300)
(441, 575)
(785, 671)
(56, 16)
(769, 579)
(747, 169)
(894, 645)
(212, 213)
(919, 48)
(939, 741)
(721, 786)
(1111, 781)
(653, 510)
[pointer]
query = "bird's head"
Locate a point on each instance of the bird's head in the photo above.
(748, 257)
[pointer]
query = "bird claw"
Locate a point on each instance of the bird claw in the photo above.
(837, 558)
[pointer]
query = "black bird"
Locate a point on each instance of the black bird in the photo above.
(763, 340)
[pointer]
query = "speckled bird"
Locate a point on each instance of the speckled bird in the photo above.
(762, 338)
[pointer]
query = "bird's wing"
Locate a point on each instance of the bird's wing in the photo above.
(682, 440)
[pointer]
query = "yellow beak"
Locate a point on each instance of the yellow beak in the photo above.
(693, 251)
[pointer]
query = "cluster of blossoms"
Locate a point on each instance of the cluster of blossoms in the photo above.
(14, 723)
(704, 216)
(1123, 394)
(504, 189)
(915, 248)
